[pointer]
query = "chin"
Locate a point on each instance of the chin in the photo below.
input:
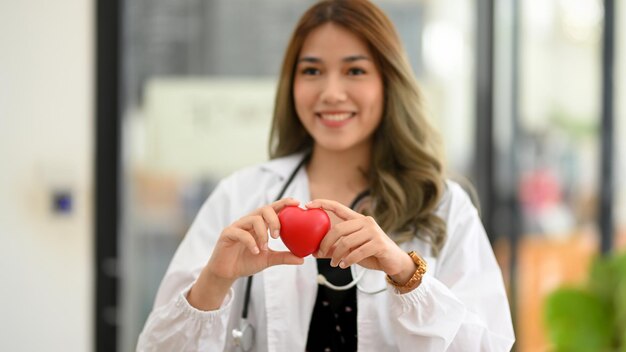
(336, 146)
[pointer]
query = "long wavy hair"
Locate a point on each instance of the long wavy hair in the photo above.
(406, 171)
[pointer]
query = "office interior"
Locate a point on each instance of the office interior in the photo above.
(117, 119)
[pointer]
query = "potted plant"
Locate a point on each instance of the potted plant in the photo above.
(591, 317)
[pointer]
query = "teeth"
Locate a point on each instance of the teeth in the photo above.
(336, 117)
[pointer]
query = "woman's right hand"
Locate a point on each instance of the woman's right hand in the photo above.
(241, 250)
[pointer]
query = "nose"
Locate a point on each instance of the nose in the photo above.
(333, 91)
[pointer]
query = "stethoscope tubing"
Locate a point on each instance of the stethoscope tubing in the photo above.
(321, 280)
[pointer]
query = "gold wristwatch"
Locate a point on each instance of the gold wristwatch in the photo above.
(415, 280)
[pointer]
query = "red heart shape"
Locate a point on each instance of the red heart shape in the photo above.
(302, 230)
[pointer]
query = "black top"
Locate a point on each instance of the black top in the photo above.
(333, 324)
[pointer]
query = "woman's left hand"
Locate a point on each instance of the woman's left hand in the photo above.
(359, 240)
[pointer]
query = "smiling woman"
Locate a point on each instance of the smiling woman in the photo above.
(349, 136)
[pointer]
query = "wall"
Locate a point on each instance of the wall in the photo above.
(46, 144)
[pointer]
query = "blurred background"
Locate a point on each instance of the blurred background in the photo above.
(117, 118)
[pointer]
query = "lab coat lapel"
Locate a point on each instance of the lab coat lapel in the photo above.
(290, 291)
(283, 168)
(372, 310)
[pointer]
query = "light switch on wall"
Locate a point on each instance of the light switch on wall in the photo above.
(62, 201)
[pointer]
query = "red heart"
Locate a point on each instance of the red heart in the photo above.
(302, 230)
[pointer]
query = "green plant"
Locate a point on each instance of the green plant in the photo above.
(591, 317)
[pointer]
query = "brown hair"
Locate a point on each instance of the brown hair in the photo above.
(406, 174)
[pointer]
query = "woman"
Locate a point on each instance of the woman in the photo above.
(348, 129)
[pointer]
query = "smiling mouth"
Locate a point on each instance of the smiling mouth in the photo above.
(339, 117)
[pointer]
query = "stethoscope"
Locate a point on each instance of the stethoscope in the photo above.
(243, 337)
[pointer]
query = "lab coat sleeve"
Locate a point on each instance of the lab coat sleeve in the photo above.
(177, 326)
(463, 305)
(173, 324)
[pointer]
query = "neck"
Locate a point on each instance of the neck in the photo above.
(340, 171)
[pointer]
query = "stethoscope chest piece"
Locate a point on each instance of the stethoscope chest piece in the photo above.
(244, 336)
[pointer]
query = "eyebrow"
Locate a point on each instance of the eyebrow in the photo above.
(316, 60)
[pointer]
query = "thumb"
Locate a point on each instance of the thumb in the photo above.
(280, 258)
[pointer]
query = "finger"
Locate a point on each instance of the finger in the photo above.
(258, 227)
(260, 231)
(346, 244)
(358, 254)
(244, 237)
(280, 204)
(279, 258)
(277, 205)
(271, 218)
(341, 229)
(342, 211)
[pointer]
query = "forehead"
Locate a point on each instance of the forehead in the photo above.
(333, 41)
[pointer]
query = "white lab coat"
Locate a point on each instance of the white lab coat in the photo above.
(461, 304)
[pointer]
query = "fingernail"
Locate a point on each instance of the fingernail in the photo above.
(342, 265)
(333, 264)
(265, 246)
(256, 250)
(276, 233)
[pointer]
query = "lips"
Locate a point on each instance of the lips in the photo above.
(336, 116)
(335, 119)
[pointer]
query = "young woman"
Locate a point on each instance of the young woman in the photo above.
(350, 134)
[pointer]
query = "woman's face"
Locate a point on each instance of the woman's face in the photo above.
(338, 90)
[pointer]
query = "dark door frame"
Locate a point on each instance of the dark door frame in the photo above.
(107, 168)
(607, 176)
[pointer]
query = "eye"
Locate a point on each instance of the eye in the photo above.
(310, 71)
(356, 71)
